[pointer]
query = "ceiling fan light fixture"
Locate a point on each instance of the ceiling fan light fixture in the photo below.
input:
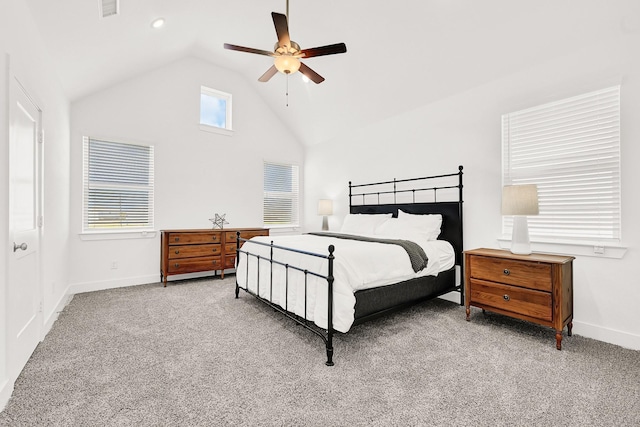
(287, 64)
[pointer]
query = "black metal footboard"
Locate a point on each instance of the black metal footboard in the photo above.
(326, 335)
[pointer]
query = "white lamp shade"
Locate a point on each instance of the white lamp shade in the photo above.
(325, 207)
(520, 199)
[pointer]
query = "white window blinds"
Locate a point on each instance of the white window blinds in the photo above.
(571, 150)
(280, 195)
(118, 186)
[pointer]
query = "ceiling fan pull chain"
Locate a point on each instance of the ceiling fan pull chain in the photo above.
(287, 93)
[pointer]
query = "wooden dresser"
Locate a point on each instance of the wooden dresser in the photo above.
(196, 250)
(537, 287)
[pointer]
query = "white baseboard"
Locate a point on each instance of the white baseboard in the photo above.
(6, 389)
(78, 288)
(62, 303)
(611, 336)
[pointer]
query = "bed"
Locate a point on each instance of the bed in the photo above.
(401, 244)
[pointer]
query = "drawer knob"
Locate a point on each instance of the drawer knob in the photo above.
(506, 297)
(177, 251)
(177, 239)
(506, 272)
(176, 265)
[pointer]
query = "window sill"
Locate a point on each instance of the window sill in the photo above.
(592, 249)
(117, 235)
(214, 129)
(282, 229)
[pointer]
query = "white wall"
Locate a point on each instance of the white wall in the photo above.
(465, 130)
(197, 173)
(21, 46)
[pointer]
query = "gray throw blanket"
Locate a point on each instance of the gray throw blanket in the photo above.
(416, 254)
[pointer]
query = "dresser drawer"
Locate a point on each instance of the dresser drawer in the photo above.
(230, 236)
(230, 261)
(230, 249)
(188, 251)
(194, 264)
(191, 238)
(515, 299)
(532, 275)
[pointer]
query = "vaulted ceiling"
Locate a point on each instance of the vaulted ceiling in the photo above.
(401, 54)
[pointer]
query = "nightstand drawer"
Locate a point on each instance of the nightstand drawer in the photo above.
(523, 301)
(187, 251)
(532, 275)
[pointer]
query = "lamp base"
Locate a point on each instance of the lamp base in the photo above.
(520, 244)
(325, 223)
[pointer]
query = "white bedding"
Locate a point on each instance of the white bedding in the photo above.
(358, 265)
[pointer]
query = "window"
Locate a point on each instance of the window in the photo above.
(215, 110)
(280, 195)
(117, 186)
(571, 150)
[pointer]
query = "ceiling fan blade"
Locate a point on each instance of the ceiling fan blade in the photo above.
(282, 29)
(268, 74)
(324, 50)
(312, 75)
(247, 49)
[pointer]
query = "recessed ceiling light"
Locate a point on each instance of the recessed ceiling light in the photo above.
(158, 23)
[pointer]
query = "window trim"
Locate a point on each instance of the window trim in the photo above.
(536, 132)
(116, 233)
(592, 249)
(228, 129)
(291, 225)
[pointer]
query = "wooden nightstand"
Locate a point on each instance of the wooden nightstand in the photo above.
(537, 287)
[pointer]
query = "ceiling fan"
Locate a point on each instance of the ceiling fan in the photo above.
(287, 53)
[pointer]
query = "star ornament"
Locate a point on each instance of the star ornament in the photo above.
(219, 221)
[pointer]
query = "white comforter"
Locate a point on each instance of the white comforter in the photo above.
(357, 265)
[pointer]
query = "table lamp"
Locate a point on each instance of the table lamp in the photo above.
(325, 208)
(520, 201)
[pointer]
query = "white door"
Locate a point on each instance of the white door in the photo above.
(24, 296)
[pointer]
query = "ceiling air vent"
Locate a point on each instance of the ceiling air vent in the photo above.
(109, 7)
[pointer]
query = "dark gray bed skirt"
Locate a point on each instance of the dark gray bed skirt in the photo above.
(374, 302)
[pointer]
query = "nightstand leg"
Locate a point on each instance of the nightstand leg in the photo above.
(468, 310)
(569, 328)
(559, 340)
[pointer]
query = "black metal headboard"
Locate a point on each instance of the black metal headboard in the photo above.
(451, 210)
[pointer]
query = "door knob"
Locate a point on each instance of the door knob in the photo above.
(22, 246)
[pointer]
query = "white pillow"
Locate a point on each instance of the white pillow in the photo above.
(394, 229)
(429, 224)
(363, 223)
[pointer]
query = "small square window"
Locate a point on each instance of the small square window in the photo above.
(215, 110)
